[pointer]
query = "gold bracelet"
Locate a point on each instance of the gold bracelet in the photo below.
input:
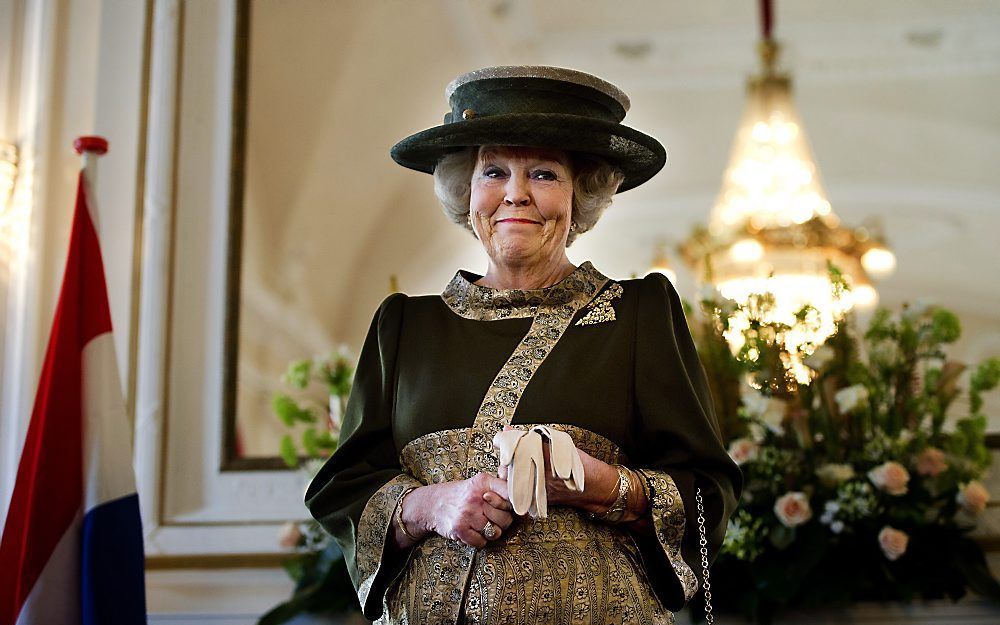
(399, 513)
(639, 489)
(617, 509)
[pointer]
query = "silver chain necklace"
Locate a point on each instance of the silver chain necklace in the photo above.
(709, 617)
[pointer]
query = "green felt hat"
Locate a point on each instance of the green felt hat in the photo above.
(536, 106)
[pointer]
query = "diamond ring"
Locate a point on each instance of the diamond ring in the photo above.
(490, 530)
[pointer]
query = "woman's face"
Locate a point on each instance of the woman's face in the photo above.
(521, 203)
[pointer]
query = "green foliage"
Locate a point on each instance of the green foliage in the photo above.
(298, 373)
(288, 452)
(968, 447)
(309, 444)
(289, 411)
(945, 327)
(985, 378)
(322, 583)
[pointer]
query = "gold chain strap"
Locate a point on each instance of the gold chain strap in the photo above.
(709, 617)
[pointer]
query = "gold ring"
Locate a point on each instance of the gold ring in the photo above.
(490, 530)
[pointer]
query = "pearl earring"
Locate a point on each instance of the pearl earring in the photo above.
(468, 220)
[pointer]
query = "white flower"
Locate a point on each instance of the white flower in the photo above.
(905, 436)
(820, 357)
(768, 409)
(742, 450)
(851, 398)
(886, 351)
(833, 473)
(973, 497)
(831, 506)
(890, 477)
(289, 535)
(793, 509)
(756, 432)
(837, 526)
(893, 542)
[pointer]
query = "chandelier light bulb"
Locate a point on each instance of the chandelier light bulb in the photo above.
(747, 251)
(879, 262)
(865, 296)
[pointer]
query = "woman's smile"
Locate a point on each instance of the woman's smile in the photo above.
(515, 220)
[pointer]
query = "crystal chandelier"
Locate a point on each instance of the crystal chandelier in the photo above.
(772, 229)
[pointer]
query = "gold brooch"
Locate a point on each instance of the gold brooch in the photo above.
(600, 309)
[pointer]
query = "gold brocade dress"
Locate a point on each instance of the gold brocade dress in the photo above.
(612, 364)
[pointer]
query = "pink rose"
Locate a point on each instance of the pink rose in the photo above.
(973, 497)
(793, 509)
(890, 477)
(289, 535)
(931, 462)
(742, 450)
(893, 542)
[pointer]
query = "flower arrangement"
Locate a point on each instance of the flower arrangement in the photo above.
(322, 583)
(859, 484)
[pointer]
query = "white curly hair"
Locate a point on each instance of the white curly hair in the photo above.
(595, 182)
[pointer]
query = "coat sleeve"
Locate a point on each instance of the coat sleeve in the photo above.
(354, 496)
(679, 446)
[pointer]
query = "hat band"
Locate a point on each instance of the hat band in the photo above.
(513, 97)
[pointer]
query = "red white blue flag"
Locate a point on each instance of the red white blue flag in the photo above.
(72, 545)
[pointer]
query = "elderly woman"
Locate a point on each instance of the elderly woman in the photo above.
(527, 160)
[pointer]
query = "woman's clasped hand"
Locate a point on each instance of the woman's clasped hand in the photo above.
(458, 510)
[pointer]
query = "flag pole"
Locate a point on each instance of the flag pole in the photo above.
(91, 147)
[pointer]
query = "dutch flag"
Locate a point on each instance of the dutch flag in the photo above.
(72, 545)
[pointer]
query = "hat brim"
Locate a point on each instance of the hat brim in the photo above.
(638, 155)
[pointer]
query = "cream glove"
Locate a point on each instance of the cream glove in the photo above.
(522, 453)
(563, 456)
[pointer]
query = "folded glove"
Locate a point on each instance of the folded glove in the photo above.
(522, 453)
(563, 456)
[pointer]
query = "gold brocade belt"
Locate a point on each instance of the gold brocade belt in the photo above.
(565, 568)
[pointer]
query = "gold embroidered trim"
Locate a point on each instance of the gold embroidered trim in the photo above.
(373, 529)
(481, 303)
(667, 509)
(600, 308)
